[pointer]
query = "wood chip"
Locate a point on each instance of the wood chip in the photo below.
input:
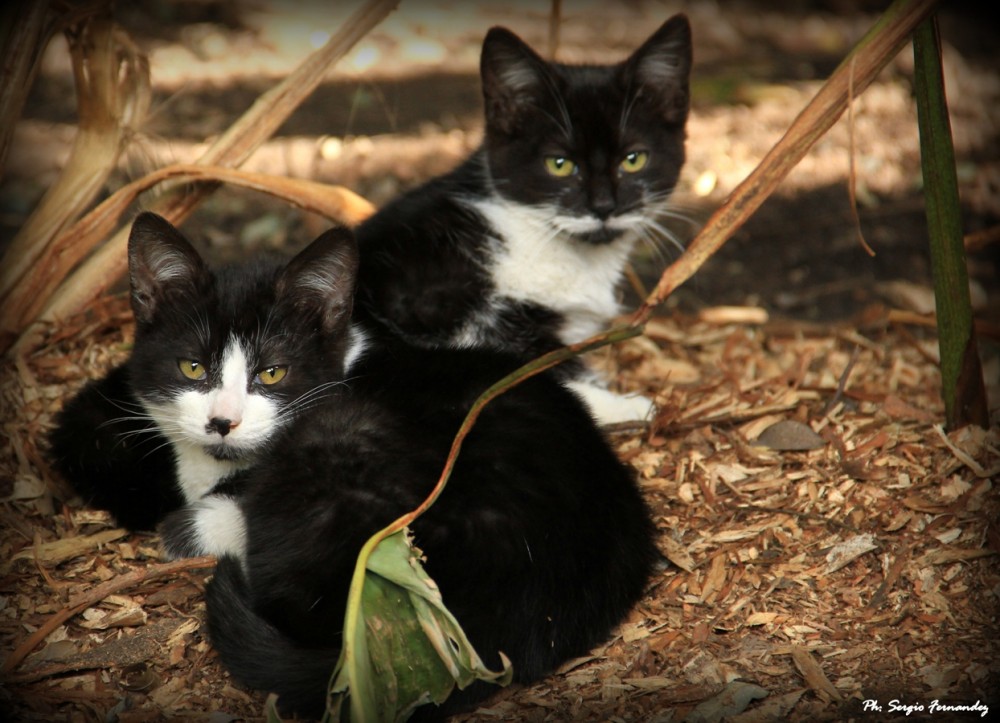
(849, 550)
(720, 315)
(58, 551)
(813, 673)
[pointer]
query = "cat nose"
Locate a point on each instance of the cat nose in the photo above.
(220, 425)
(602, 205)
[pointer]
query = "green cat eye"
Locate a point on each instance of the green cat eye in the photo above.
(271, 375)
(559, 166)
(634, 161)
(192, 369)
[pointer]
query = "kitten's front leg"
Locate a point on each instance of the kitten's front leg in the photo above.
(214, 525)
(608, 407)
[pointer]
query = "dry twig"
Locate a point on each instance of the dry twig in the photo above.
(95, 595)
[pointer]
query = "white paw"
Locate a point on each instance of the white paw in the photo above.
(214, 525)
(611, 408)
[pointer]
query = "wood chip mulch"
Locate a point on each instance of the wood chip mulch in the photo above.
(825, 542)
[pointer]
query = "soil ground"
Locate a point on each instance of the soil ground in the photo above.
(801, 582)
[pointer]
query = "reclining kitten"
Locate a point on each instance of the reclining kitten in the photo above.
(523, 246)
(299, 434)
(199, 398)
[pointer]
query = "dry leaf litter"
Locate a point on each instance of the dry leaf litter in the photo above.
(825, 543)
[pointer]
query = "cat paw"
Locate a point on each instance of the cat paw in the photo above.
(608, 407)
(214, 525)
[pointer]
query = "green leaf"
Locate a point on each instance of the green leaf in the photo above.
(402, 647)
(962, 385)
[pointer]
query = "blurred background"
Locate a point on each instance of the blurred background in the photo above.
(404, 105)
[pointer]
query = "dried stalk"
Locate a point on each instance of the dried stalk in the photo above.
(555, 22)
(334, 202)
(26, 28)
(95, 595)
(113, 94)
(231, 149)
(25, 31)
(864, 62)
(880, 45)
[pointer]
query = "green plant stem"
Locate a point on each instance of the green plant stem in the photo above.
(523, 373)
(961, 370)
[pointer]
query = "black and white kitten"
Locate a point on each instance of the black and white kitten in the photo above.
(523, 246)
(540, 543)
(199, 398)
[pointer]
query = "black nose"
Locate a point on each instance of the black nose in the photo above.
(602, 203)
(220, 425)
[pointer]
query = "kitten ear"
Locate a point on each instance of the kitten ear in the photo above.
(512, 75)
(320, 279)
(161, 262)
(660, 68)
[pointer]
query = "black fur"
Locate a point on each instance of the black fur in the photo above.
(113, 455)
(540, 543)
(426, 257)
(106, 443)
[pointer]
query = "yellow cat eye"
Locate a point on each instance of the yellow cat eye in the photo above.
(192, 369)
(271, 375)
(634, 161)
(559, 166)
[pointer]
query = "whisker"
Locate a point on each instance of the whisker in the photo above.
(309, 399)
(676, 214)
(661, 232)
(651, 242)
(166, 443)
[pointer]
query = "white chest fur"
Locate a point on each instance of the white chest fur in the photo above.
(198, 472)
(535, 261)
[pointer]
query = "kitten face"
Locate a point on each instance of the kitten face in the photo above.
(600, 148)
(223, 405)
(223, 360)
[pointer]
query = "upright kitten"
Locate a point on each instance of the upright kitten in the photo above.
(522, 247)
(540, 543)
(209, 382)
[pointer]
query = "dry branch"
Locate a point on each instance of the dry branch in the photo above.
(334, 202)
(855, 73)
(94, 596)
(113, 94)
(25, 31)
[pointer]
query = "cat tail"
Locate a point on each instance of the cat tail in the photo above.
(259, 655)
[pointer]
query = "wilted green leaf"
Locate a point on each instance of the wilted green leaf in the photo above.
(402, 647)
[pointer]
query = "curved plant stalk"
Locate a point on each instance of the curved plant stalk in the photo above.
(350, 673)
(334, 202)
(113, 95)
(962, 385)
(853, 75)
(262, 119)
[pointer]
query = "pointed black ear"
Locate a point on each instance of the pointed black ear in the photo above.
(320, 279)
(161, 263)
(512, 76)
(660, 69)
